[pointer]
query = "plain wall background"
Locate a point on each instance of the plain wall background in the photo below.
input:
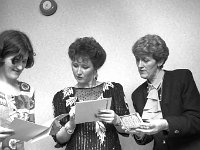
(116, 24)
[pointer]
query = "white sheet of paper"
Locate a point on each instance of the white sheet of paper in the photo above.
(85, 111)
(25, 131)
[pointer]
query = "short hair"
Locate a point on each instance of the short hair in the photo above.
(152, 45)
(16, 42)
(89, 47)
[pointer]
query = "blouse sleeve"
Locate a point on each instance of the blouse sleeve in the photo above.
(32, 108)
(119, 104)
(28, 93)
(58, 104)
(59, 107)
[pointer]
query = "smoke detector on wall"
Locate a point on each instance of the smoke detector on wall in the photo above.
(48, 7)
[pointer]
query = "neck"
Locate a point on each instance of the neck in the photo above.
(10, 88)
(8, 82)
(91, 84)
(5, 82)
(157, 77)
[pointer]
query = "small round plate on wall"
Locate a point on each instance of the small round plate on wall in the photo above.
(48, 7)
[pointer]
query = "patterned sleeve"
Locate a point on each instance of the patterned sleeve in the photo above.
(27, 95)
(120, 106)
(32, 108)
(59, 106)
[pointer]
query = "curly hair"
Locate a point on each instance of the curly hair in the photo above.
(88, 47)
(152, 45)
(16, 42)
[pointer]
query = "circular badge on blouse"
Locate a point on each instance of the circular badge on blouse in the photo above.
(25, 86)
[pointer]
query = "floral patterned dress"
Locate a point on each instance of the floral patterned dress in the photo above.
(16, 106)
(86, 135)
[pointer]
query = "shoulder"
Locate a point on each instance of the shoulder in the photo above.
(117, 84)
(178, 74)
(178, 71)
(139, 91)
(113, 85)
(64, 93)
(140, 88)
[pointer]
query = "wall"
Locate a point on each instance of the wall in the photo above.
(116, 24)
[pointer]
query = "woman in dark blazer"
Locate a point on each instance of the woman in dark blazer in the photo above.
(168, 101)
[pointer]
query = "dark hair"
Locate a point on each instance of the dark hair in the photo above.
(88, 47)
(16, 42)
(152, 45)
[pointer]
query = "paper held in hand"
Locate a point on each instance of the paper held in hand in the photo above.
(131, 121)
(85, 111)
(26, 131)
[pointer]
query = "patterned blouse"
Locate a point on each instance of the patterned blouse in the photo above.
(16, 106)
(85, 136)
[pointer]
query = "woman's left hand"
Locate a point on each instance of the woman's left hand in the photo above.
(153, 126)
(5, 132)
(108, 116)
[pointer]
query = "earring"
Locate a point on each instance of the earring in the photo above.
(96, 76)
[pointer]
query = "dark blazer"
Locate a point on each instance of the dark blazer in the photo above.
(180, 105)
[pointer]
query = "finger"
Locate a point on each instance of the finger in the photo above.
(2, 136)
(144, 123)
(144, 126)
(106, 116)
(146, 131)
(6, 130)
(134, 132)
(142, 130)
(72, 117)
(107, 111)
(108, 120)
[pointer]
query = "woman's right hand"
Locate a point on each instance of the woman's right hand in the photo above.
(5, 132)
(133, 131)
(71, 123)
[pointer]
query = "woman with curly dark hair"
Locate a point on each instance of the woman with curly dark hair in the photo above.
(87, 56)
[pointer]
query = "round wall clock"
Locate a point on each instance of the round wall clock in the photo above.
(48, 7)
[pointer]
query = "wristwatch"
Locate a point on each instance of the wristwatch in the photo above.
(69, 131)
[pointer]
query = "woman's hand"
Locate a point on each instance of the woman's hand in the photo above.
(133, 131)
(67, 130)
(5, 132)
(108, 116)
(71, 123)
(152, 126)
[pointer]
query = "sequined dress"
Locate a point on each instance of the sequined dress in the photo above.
(85, 136)
(16, 106)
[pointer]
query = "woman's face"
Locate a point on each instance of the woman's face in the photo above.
(83, 71)
(147, 67)
(13, 66)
